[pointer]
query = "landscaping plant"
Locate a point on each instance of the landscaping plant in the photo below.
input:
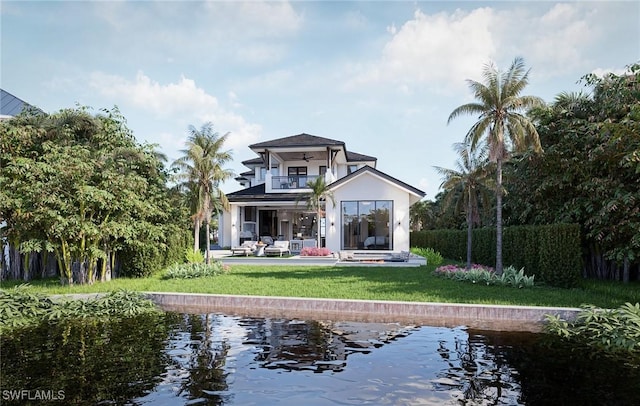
(432, 256)
(610, 331)
(481, 274)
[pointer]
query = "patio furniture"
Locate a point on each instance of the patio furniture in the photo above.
(278, 247)
(260, 249)
(267, 239)
(246, 248)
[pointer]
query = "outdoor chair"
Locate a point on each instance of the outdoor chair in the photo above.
(278, 247)
(247, 248)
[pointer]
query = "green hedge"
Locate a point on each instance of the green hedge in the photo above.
(551, 252)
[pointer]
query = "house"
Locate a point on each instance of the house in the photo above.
(371, 210)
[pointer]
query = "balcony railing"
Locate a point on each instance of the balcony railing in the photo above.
(291, 181)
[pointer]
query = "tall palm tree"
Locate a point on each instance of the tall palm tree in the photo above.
(316, 198)
(201, 169)
(469, 183)
(502, 120)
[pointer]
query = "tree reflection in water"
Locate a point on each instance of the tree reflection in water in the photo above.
(213, 359)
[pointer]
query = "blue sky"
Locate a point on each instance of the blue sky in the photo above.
(382, 76)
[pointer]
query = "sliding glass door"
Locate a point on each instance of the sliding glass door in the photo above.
(366, 225)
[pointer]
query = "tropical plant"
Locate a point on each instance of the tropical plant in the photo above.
(432, 256)
(193, 257)
(76, 187)
(316, 199)
(612, 331)
(20, 307)
(589, 173)
(202, 170)
(468, 185)
(500, 107)
(195, 270)
(485, 275)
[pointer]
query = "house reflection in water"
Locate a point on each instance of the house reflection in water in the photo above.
(316, 346)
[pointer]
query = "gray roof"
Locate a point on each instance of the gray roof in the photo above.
(11, 105)
(300, 140)
(354, 156)
(367, 168)
(258, 194)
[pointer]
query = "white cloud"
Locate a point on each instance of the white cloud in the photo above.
(177, 101)
(601, 72)
(440, 49)
(255, 18)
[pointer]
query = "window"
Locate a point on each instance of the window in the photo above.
(351, 169)
(366, 224)
(323, 170)
(297, 170)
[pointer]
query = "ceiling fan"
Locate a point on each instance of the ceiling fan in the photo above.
(305, 157)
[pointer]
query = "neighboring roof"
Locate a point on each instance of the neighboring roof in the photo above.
(300, 140)
(258, 194)
(354, 156)
(253, 161)
(11, 105)
(376, 172)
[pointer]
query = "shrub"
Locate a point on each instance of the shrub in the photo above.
(485, 275)
(432, 256)
(195, 270)
(315, 252)
(20, 307)
(610, 331)
(517, 279)
(193, 257)
(552, 252)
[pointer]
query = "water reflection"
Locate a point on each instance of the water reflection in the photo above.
(212, 359)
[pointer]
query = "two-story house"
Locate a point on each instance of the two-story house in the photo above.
(371, 210)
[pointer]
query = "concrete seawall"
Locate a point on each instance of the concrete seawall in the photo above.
(485, 317)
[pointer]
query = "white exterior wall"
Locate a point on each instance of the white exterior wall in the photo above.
(227, 232)
(370, 187)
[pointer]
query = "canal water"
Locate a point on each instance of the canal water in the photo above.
(215, 359)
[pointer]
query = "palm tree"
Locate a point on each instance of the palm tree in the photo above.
(315, 199)
(469, 183)
(201, 168)
(501, 118)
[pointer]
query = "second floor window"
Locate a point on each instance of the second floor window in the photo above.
(297, 170)
(351, 169)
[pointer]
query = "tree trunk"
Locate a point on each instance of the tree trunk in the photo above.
(625, 271)
(469, 228)
(319, 215)
(196, 235)
(206, 250)
(499, 216)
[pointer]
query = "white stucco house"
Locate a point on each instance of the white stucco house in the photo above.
(371, 210)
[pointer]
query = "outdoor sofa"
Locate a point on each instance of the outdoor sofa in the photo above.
(247, 248)
(278, 248)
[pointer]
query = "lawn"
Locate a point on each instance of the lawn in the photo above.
(374, 283)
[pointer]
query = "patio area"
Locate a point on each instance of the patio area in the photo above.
(344, 258)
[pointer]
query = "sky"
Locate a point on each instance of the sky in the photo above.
(382, 76)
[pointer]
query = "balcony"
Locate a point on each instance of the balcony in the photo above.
(291, 182)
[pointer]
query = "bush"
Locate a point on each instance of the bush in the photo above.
(485, 275)
(20, 307)
(193, 257)
(432, 256)
(551, 252)
(195, 270)
(315, 252)
(610, 331)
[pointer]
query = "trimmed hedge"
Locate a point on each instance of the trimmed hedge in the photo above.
(551, 252)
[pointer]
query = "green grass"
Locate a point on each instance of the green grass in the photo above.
(376, 283)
